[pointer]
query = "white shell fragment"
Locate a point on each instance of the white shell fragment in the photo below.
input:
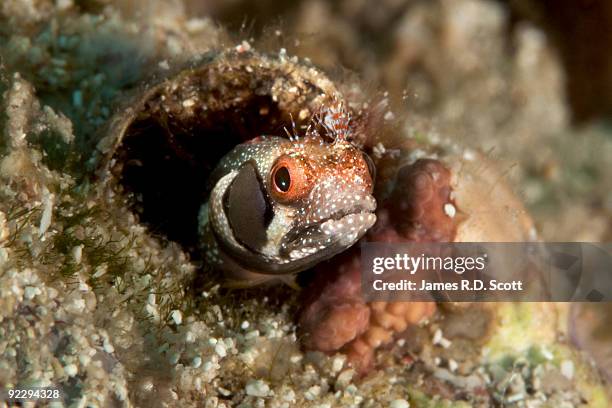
(450, 210)
(257, 388)
(45, 219)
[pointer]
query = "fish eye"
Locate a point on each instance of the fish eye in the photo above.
(282, 179)
(288, 180)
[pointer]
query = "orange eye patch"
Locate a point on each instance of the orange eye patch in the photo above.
(288, 179)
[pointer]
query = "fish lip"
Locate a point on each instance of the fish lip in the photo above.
(366, 221)
(319, 234)
(367, 205)
(321, 250)
(298, 264)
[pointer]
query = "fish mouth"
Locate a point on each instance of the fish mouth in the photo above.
(326, 238)
(307, 244)
(349, 228)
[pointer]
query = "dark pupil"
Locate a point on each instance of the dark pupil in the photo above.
(282, 179)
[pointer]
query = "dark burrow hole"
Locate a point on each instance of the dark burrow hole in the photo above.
(163, 163)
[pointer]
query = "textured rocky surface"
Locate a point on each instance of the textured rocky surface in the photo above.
(92, 301)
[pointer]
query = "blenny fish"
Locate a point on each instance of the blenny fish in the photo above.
(281, 205)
